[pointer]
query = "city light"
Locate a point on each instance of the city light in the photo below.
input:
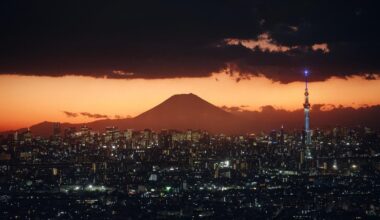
(219, 167)
(168, 188)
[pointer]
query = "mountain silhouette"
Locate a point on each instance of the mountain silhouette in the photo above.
(179, 112)
(188, 111)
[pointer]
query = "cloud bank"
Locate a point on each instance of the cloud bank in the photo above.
(85, 114)
(168, 39)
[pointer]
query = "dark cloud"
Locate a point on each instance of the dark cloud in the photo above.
(370, 76)
(70, 114)
(122, 117)
(232, 108)
(321, 115)
(86, 114)
(267, 108)
(90, 115)
(164, 39)
(318, 107)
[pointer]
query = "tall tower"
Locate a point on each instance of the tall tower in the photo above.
(306, 108)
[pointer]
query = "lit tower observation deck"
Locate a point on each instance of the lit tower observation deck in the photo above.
(306, 107)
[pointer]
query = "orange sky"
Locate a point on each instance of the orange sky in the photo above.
(27, 100)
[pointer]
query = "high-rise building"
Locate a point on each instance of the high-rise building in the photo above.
(282, 137)
(273, 136)
(56, 129)
(128, 134)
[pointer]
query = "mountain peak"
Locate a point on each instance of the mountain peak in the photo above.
(187, 111)
(186, 102)
(184, 96)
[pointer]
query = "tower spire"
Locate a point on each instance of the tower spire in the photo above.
(306, 106)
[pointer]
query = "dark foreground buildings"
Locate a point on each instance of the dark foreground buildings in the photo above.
(82, 174)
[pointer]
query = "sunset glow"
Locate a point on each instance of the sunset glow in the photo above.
(30, 100)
